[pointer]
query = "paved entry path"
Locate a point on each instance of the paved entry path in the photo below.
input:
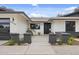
(40, 45)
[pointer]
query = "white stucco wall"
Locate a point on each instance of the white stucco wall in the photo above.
(19, 25)
(77, 26)
(59, 25)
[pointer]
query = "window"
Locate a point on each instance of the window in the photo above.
(35, 26)
(70, 26)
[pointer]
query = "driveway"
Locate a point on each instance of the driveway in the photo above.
(39, 46)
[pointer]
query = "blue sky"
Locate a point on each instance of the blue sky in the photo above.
(43, 10)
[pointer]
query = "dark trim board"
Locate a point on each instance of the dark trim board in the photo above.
(74, 34)
(4, 18)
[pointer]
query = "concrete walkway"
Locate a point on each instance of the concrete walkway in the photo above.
(39, 46)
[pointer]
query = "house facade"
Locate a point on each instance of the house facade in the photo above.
(19, 22)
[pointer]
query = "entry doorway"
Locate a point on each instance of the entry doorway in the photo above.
(47, 27)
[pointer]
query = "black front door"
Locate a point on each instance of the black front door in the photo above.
(47, 27)
(70, 26)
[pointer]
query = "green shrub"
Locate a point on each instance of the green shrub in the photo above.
(10, 42)
(70, 40)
